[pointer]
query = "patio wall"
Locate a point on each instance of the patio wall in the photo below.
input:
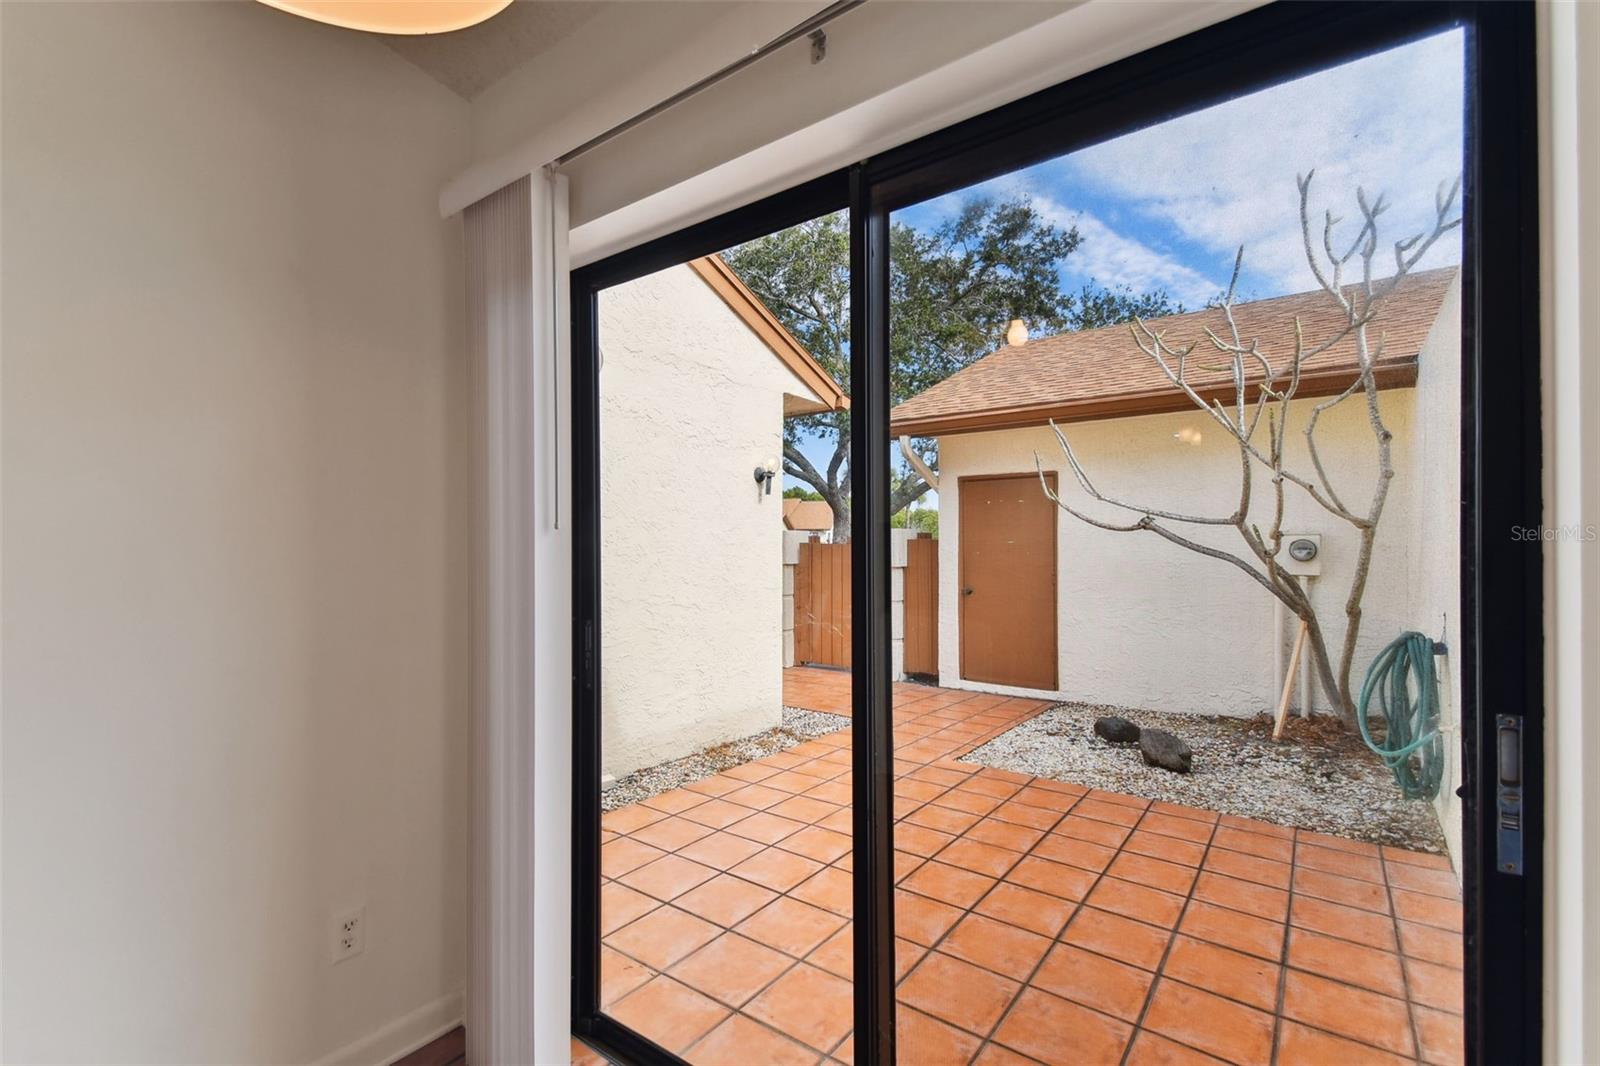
(1435, 564)
(1144, 623)
(689, 590)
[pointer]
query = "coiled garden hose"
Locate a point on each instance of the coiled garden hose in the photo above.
(1412, 747)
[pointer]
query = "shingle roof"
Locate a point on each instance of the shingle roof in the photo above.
(1101, 373)
(807, 514)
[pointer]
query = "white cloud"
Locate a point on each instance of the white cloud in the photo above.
(1112, 259)
(1225, 176)
(1169, 204)
(1106, 256)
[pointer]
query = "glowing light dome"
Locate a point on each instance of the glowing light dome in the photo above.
(395, 16)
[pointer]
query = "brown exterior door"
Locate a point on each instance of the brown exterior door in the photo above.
(1008, 581)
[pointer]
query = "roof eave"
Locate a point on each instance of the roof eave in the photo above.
(715, 271)
(1392, 374)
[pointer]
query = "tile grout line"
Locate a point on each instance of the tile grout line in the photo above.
(1172, 938)
(1287, 922)
(925, 759)
(1173, 932)
(1044, 833)
(965, 912)
(775, 845)
(1400, 954)
(794, 961)
(1283, 969)
(1079, 904)
(984, 1039)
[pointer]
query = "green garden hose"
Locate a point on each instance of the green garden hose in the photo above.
(1412, 747)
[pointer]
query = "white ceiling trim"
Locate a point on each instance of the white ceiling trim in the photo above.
(678, 66)
(1081, 39)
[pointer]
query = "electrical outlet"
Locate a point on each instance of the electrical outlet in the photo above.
(349, 933)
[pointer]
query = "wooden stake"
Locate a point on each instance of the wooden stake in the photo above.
(1288, 681)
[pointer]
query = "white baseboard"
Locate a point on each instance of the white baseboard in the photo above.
(402, 1036)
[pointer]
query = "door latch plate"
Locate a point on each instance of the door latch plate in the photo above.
(1508, 794)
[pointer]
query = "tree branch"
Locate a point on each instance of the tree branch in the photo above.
(1359, 304)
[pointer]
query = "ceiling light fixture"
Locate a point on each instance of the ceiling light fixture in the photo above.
(412, 17)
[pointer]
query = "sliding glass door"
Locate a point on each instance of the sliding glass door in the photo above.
(1149, 449)
(716, 758)
(1043, 593)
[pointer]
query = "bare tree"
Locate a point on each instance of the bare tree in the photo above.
(1274, 379)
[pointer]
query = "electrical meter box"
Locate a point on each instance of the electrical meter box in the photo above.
(1301, 554)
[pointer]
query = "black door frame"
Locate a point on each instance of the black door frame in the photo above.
(1501, 578)
(821, 196)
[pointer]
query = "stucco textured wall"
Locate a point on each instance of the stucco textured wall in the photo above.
(1145, 623)
(1434, 472)
(691, 401)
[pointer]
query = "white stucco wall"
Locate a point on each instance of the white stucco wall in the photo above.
(691, 401)
(1434, 471)
(1145, 623)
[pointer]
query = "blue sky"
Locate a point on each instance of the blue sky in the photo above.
(1167, 206)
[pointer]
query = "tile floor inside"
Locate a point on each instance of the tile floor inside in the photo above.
(1036, 921)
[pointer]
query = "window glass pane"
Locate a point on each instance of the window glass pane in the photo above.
(725, 652)
(1177, 457)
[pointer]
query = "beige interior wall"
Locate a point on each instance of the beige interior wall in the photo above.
(235, 557)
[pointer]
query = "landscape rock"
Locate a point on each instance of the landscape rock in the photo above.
(1238, 770)
(1116, 729)
(1165, 750)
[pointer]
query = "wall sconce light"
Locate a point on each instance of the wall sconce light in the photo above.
(1188, 435)
(764, 475)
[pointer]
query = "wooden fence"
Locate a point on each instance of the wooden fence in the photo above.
(922, 606)
(822, 604)
(822, 630)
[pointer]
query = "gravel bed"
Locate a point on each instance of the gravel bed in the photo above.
(799, 725)
(1319, 777)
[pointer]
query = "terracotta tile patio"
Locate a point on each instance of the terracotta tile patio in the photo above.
(1038, 921)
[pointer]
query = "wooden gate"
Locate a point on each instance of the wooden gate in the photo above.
(922, 606)
(822, 631)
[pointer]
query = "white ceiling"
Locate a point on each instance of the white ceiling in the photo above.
(469, 61)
